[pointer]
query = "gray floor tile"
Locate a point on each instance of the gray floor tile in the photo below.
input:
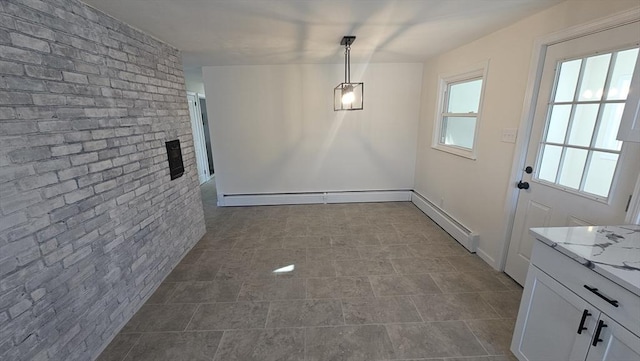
(230, 315)
(119, 347)
(238, 271)
(331, 254)
(389, 251)
(469, 263)
(305, 313)
(306, 241)
(194, 272)
(210, 242)
(355, 239)
(176, 346)
(262, 345)
(403, 285)
(273, 289)
(399, 238)
(258, 242)
(379, 310)
(348, 343)
(338, 287)
(162, 294)
(154, 318)
(452, 282)
(281, 256)
(364, 267)
(434, 339)
(192, 257)
(227, 256)
(438, 250)
(421, 265)
(495, 335)
(454, 306)
(307, 269)
(506, 304)
(205, 292)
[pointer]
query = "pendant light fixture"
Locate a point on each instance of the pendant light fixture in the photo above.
(348, 95)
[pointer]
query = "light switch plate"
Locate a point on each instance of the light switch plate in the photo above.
(509, 135)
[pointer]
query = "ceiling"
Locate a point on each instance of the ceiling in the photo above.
(258, 32)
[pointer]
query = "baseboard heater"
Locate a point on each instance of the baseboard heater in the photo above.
(457, 230)
(231, 200)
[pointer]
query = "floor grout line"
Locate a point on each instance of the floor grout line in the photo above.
(192, 316)
(476, 337)
(130, 349)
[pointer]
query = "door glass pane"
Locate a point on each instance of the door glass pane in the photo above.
(558, 123)
(592, 119)
(600, 174)
(567, 80)
(572, 167)
(459, 131)
(582, 126)
(622, 72)
(465, 97)
(595, 73)
(550, 160)
(608, 129)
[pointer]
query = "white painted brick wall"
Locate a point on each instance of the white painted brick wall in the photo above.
(90, 222)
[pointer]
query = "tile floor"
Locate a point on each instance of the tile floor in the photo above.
(377, 281)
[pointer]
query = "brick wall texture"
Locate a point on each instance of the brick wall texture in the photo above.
(90, 222)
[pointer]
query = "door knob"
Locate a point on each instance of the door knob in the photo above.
(523, 185)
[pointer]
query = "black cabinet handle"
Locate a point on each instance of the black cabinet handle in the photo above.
(595, 291)
(581, 328)
(596, 337)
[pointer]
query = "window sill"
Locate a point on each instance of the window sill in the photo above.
(460, 152)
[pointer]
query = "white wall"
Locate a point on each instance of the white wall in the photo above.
(193, 80)
(474, 192)
(274, 130)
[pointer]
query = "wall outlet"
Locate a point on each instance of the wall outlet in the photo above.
(509, 135)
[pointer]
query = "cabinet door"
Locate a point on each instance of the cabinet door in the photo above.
(548, 321)
(618, 344)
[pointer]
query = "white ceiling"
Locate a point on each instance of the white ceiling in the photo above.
(235, 32)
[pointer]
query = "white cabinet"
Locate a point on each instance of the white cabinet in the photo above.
(551, 321)
(618, 344)
(557, 323)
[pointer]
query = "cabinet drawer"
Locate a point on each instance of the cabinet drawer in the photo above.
(575, 277)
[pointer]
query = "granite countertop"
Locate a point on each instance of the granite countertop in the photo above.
(612, 251)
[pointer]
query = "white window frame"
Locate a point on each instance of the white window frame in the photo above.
(477, 71)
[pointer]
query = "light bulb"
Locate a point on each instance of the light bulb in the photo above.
(347, 94)
(348, 97)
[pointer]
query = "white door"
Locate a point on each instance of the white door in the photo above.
(580, 174)
(556, 324)
(199, 144)
(617, 343)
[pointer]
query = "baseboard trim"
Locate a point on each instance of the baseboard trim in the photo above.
(457, 230)
(237, 200)
(485, 257)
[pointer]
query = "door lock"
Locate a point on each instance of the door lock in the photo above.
(523, 185)
(528, 169)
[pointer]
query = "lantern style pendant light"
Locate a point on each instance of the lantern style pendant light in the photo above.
(348, 95)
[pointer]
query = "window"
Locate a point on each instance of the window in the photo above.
(579, 151)
(458, 113)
